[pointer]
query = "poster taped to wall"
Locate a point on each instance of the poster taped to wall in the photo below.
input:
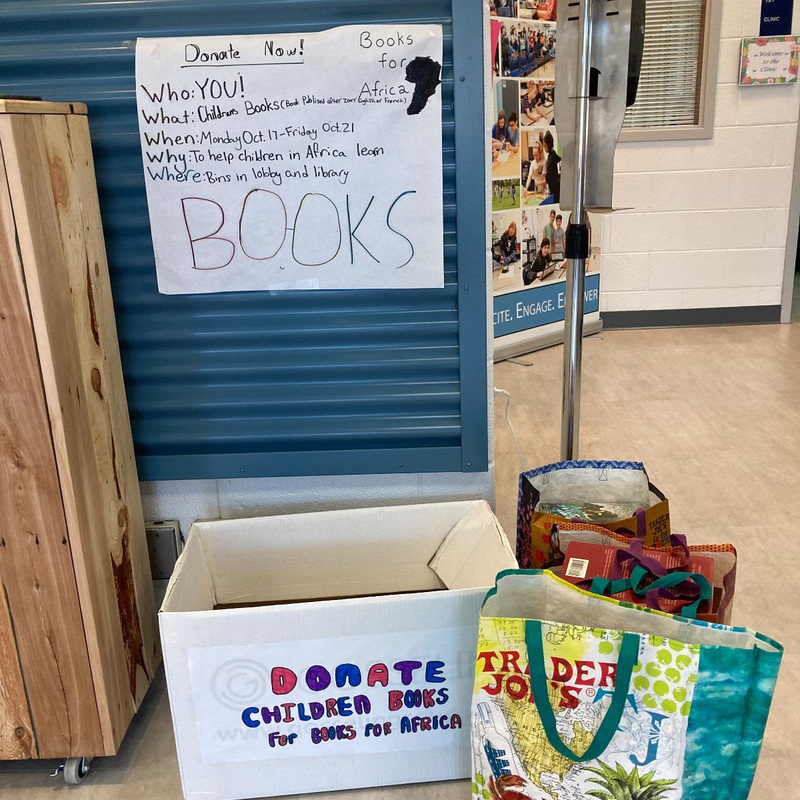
(294, 161)
(528, 227)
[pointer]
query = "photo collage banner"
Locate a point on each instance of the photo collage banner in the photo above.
(528, 225)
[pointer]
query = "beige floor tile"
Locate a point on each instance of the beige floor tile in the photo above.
(776, 779)
(713, 413)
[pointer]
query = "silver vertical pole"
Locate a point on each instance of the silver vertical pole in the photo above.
(573, 313)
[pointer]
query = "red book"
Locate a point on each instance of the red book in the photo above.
(584, 561)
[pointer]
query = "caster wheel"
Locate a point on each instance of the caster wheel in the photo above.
(76, 770)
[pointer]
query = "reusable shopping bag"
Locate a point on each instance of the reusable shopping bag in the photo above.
(617, 495)
(560, 533)
(581, 697)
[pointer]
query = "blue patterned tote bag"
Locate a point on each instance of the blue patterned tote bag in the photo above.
(582, 697)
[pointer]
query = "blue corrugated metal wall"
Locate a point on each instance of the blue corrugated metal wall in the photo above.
(291, 383)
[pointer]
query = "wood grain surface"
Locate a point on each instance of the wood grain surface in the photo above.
(122, 536)
(63, 256)
(132, 571)
(36, 570)
(16, 727)
(9, 106)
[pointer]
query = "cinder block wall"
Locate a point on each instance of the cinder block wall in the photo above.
(708, 220)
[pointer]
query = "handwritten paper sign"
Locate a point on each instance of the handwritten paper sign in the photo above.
(769, 60)
(341, 697)
(294, 161)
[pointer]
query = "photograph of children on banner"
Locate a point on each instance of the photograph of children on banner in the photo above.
(505, 194)
(547, 263)
(536, 103)
(526, 48)
(537, 9)
(541, 167)
(502, 8)
(504, 135)
(506, 250)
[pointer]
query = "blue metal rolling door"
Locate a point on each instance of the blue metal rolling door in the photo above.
(289, 383)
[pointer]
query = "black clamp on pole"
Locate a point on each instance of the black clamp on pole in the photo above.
(577, 241)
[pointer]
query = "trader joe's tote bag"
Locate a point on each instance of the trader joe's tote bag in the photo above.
(583, 697)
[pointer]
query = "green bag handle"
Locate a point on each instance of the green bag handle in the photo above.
(628, 657)
(673, 579)
(606, 586)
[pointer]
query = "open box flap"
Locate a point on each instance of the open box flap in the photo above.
(330, 554)
(474, 551)
(190, 587)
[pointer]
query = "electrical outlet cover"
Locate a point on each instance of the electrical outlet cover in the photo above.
(164, 546)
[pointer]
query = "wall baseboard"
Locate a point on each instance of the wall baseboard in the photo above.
(691, 317)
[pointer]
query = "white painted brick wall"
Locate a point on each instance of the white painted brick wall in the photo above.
(785, 141)
(705, 221)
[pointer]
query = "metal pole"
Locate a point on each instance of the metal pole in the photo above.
(577, 253)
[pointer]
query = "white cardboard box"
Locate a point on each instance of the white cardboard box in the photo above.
(306, 692)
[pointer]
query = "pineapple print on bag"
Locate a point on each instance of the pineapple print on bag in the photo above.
(616, 784)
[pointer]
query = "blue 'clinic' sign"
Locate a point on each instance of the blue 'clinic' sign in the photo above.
(540, 305)
(776, 18)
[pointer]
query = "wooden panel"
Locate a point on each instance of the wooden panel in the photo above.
(122, 535)
(40, 107)
(35, 555)
(16, 729)
(43, 261)
(73, 317)
(114, 402)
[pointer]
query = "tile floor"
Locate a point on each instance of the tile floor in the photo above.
(715, 415)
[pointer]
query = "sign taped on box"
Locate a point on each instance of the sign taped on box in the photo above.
(294, 161)
(362, 694)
